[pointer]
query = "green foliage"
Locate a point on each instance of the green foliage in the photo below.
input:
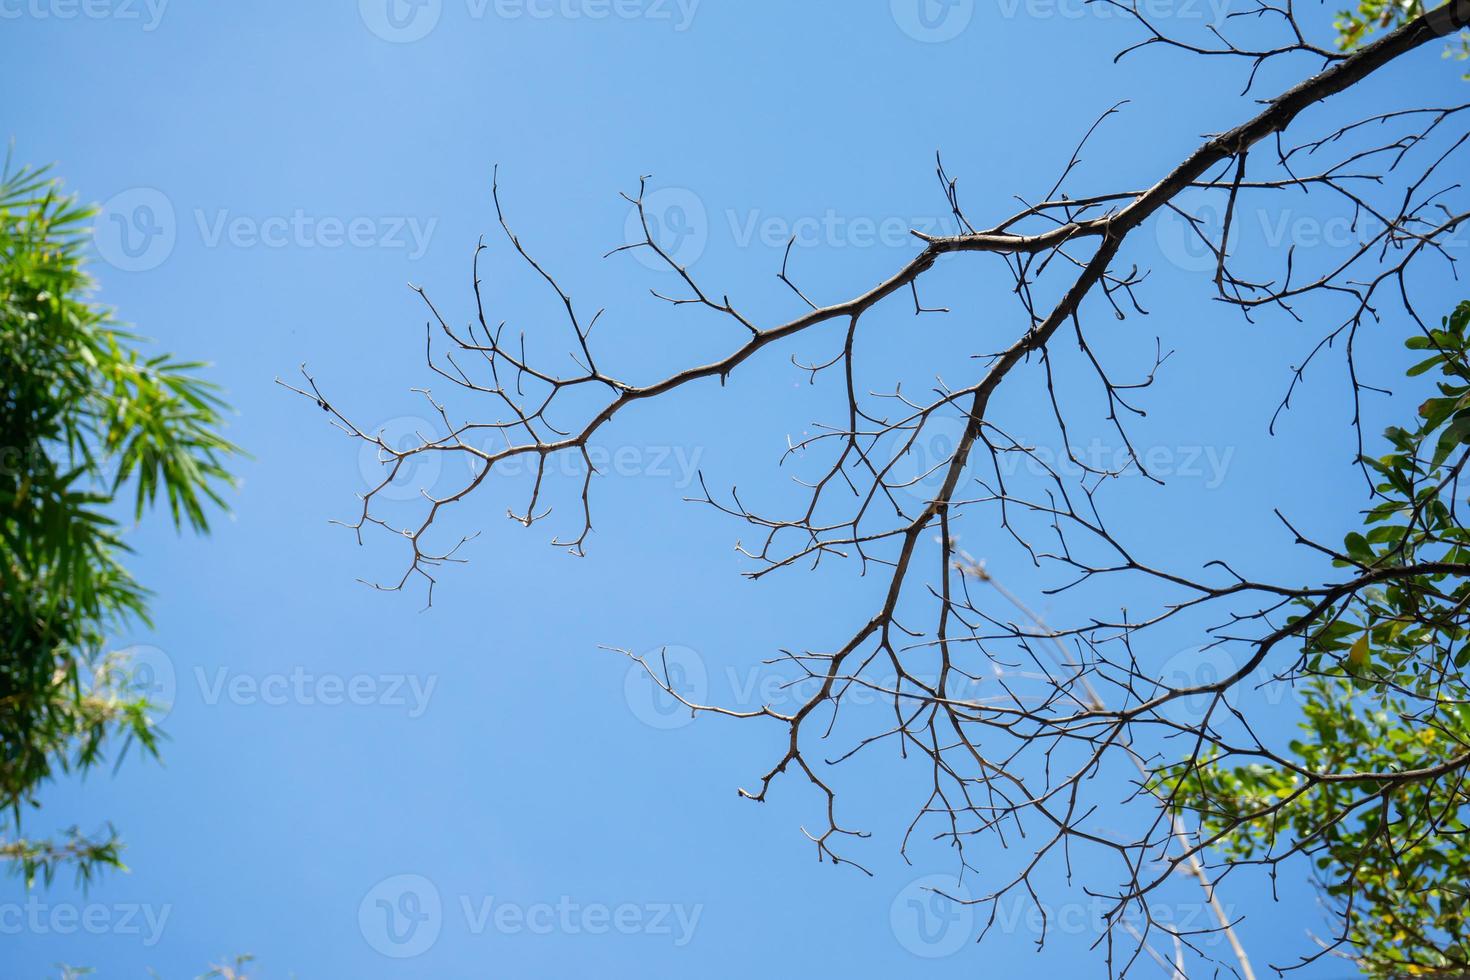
(85, 420)
(1377, 792)
(1393, 860)
(1356, 27)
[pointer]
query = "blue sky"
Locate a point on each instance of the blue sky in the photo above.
(275, 173)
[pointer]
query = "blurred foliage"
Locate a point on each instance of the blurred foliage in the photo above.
(229, 971)
(234, 970)
(1356, 27)
(91, 430)
(1377, 794)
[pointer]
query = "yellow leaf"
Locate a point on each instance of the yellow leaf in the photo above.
(1358, 656)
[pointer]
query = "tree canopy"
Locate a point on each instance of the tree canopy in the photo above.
(97, 434)
(1013, 723)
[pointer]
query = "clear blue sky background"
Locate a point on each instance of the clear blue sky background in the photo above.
(532, 776)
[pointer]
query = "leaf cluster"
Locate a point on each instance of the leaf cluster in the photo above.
(92, 431)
